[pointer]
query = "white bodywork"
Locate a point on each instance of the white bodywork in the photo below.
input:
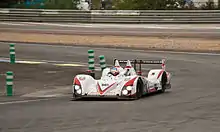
(123, 85)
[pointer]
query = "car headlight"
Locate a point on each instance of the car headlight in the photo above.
(79, 91)
(76, 87)
(129, 88)
(125, 92)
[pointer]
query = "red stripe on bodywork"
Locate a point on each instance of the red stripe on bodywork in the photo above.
(103, 91)
(128, 67)
(160, 73)
(76, 81)
(130, 82)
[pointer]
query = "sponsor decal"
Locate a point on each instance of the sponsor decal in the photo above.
(106, 94)
(105, 84)
(103, 91)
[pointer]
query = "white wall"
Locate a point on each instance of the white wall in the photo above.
(83, 5)
(197, 2)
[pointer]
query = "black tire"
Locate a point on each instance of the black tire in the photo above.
(139, 89)
(75, 98)
(163, 83)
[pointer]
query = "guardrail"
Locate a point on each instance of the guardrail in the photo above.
(111, 16)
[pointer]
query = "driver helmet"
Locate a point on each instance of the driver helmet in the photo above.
(114, 71)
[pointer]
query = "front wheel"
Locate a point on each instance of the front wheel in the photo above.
(75, 97)
(163, 83)
(139, 89)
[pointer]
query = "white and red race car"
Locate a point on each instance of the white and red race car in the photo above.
(127, 84)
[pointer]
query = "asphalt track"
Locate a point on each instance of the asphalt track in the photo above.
(187, 31)
(192, 105)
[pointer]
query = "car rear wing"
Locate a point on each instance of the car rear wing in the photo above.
(140, 62)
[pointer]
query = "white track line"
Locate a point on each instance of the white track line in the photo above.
(15, 24)
(159, 26)
(34, 61)
(111, 31)
(148, 26)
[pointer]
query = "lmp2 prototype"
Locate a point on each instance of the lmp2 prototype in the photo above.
(122, 83)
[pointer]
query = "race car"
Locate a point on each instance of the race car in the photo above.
(122, 83)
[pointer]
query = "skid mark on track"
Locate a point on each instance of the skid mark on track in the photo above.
(22, 101)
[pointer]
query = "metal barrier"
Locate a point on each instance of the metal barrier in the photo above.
(111, 16)
(41, 15)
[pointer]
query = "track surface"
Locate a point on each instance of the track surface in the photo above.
(171, 30)
(191, 106)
